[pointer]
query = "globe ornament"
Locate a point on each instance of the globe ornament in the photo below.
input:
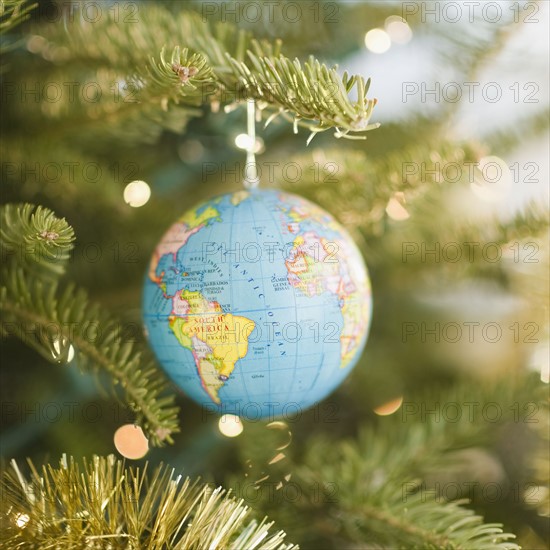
(257, 303)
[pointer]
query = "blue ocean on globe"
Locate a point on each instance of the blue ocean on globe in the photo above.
(257, 303)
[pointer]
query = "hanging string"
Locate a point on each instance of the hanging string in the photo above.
(251, 179)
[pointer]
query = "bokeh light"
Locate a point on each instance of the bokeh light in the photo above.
(390, 407)
(243, 141)
(57, 349)
(395, 209)
(540, 361)
(36, 43)
(130, 442)
(230, 425)
(377, 41)
(492, 180)
(398, 29)
(137, 193)
(259, 146)
(21, 520)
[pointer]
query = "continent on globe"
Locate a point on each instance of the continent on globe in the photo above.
(177, 236)
(314, 268)
(216, 339)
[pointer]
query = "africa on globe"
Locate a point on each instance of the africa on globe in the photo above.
(257, 303)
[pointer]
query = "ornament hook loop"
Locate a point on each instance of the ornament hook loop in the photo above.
(251, 179)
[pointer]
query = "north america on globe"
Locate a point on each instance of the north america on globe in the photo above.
(257, 303)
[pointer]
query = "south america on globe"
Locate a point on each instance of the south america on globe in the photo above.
(257, 303)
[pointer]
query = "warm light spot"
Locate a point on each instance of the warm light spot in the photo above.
(398, 29)
(130, 442)
(540, 362)
(21, 520)
(390, 407)
(243, 141)
(230, 425)
(57, 349)
(137, 193)
(36, 43)
(395, 209)
(492, 180)
(259, 146)
(277, 458)
(377, 41)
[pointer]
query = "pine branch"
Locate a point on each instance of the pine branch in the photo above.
(53, 321)
(512, 136)
(103, 504)
(35, 238)
(373, 488)
(538, 467)
(366, 184)
(520, 240)
(77, 180)
(418, 177)
(421, 523)
(477, 53)
(13, 13)
(199, 64)
(530, 222)
(412, 442)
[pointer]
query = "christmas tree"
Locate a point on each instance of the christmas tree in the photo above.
(119, 117)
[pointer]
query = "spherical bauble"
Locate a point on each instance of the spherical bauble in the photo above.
(257, 303)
